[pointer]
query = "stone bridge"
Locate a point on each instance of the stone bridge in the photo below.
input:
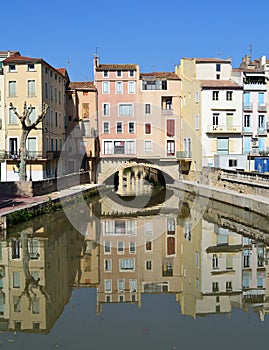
(107, 168)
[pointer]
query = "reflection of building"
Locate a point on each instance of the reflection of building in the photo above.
(37, 275)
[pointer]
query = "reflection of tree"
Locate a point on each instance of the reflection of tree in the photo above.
(31, 283)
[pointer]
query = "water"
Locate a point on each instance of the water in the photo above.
(175, 273)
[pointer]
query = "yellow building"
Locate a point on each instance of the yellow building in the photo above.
(34, 81)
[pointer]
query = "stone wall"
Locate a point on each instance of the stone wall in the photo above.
(38, 188)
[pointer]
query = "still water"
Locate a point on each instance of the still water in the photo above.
(176, 273)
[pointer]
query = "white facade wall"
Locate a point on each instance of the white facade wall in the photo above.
(207, 71)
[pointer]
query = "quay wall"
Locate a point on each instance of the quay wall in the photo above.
(41, 187)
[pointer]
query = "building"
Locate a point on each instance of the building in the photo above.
(81, 123)
(211, 111)
(34, 81)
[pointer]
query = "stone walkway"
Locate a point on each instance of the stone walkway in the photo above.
(9, 204)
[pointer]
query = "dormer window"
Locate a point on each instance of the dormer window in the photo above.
(31, 67)
(12, 68)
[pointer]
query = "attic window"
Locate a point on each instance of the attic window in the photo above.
(31, 67)
(12, 68)
(105, 73)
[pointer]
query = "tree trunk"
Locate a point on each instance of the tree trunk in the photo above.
(23, 154)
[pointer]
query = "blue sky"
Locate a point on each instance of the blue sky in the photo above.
(153, 34)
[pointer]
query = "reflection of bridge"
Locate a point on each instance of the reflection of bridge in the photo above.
(109, 167)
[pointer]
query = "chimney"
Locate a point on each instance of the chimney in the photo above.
(95, 61)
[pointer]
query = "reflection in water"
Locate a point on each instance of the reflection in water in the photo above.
(210, 264)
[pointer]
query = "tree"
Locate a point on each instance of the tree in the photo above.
(27, 126)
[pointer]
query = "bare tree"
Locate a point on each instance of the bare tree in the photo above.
(27, 126)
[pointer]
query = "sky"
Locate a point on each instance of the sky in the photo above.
(153, 34)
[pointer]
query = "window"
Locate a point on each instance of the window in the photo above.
(47, 91)
(197, 96)
(31, 67)
(107, 247)
(85, 110)
(31, 147)
(215, 95)
(12, 68)
(118, 87)
(131, 127)
(106, 127)
(12, 117)
(223, 145)
(261, 121)
(108, 265)
(246, 121)
(131, 73)
(218, 76)
(125, 109)
(147, 108)
(218, 67)
(215, 262)
(108, 285)
(119, 73)
(17, 303)
(121, 285)
(170, 127)
(197, 122)
(120, 247)
(12, 88)
(215, 286)
(35, 306)
(127, 264)
(105, 73)
(108, 147)
(148, 228)
(119, 128)
(229, 286)
(105, 87)
(119, 147)
(154, 85)
(149, 245)
(131, 87)
(130, 147)
(232, 163)
(148, 265)
(132, 247)
(16, 279)
(133, 286)
(171, 245)
(15, 248)
(148, 128)
(170, 148)
(60, 97)
(229, 95)
(31, 88)
(215, 121)
(106, 109)
(148, 146)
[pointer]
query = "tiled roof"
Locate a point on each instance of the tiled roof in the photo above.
(17, 58)
(6, 53)
(212, 60)
(243, 70)
(166, 75)
(219, 84)
(62, 71)
(111, 67)
(81, 85)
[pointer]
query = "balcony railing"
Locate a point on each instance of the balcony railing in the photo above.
(224, 129)
(167, 111)
(183, 154)
(262, 107)
(254, 86)
(31, 155)
(248, 106)
(53, 154)
(262, 131)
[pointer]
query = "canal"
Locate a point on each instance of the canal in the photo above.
(162, 271)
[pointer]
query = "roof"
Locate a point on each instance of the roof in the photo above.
(111, 67)
(212, 60)
(8, 53)
(62, 71)
(162, 75)
(219, 84)
(81, 85)
(17, 58)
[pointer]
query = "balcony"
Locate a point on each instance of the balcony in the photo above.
(247, 131)
(248, 106)
(262, 131)
(167, 112)
(224, 129)
(183, 155)
(53, 155)
(30, 155)
(254, 87)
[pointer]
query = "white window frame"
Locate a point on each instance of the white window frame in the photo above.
(106, 111)
(148, 104)
(148, 148)
(129, 107)
(104, 74)
(105, 87)
(118, 87)
(131, 132)
(12, 92)
(104, 130)
(196, 121)
(120, 125)
(131, 87)
(130, 147)
(145, 128)
(31, 88)
(129, 73)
